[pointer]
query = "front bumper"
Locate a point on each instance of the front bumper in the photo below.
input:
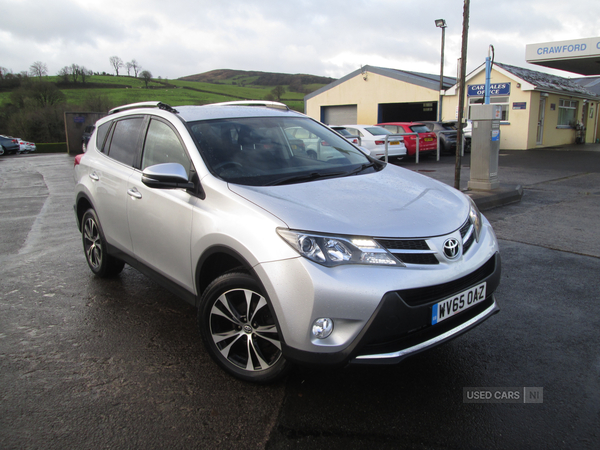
(401, 324)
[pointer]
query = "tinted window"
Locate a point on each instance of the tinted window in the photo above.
(101, 135)
(263, 151)
(163, 146)
(343, 131)
(393, 128)
(377, 130)
(124, 141)
(419, 129)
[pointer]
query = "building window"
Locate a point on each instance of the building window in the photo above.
(474, 102)
(567, 109)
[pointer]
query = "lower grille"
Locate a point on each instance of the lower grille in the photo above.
(421, 296)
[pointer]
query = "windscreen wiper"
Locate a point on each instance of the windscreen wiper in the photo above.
(361, 168)
(305, 177)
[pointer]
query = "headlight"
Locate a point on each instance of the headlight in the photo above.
(475, 218)
(337, 250)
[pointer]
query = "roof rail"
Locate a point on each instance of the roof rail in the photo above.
(159, 105)
(267, 104)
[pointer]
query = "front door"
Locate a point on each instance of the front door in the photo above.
(540, 127)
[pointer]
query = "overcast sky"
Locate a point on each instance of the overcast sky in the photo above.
(175, 38)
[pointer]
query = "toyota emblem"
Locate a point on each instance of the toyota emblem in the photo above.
(451, 248)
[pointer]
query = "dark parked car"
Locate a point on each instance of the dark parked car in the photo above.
(448, 136)
(85, 138)
(9, 145)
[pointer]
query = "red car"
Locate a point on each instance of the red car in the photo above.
(427, 139)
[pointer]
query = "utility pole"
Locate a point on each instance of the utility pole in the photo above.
(461, 93)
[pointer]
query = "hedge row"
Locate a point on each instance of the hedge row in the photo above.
(60, 147)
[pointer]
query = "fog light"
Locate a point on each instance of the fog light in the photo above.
(322, 328)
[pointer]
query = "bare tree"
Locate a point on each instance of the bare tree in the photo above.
(128, 66)
(83, 72)
(38, 69)
(146, 75)
(136, 67)
(75, 72)
(64, 73)
(116, 62)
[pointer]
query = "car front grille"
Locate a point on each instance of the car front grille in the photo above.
(418, 251)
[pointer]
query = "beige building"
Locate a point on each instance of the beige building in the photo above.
(539, 110)
(374, 94)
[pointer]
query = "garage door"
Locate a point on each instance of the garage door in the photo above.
(339, 115)
(407, 112)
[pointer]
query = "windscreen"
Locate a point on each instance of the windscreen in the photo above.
(261, 151)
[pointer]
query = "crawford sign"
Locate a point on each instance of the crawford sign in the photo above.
(565, 49)
(478, 90)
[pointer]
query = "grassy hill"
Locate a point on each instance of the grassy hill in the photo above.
(25, 111)
(209, 87)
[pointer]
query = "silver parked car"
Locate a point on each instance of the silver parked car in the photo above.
(288, 258)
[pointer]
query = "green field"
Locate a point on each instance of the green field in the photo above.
(173, 92)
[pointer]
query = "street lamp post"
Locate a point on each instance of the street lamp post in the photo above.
(441, 23)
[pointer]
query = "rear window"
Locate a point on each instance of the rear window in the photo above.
(419, 129)
(123, 146)
(377, 130)
(101, 135)
(343, 132)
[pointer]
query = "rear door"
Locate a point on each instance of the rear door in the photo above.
(110, 173)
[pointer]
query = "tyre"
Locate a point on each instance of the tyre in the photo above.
(1, 150)
(94, 247)
(239, 329)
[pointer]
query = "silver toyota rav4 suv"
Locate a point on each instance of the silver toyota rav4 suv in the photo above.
(288, 258)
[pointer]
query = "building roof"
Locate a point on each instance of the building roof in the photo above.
(589, 83)
(532, 80)
(420, 79)
(546, 81)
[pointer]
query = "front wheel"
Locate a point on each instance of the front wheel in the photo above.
(240, 330)
(95, 248)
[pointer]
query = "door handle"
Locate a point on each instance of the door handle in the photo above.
(134, 193)
(94, 177)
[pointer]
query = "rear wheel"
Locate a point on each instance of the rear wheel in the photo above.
(240, 330)
(1, 150)
(95, 248)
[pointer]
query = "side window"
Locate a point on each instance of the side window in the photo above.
(101, 135)
(163, 146)
(123, 145)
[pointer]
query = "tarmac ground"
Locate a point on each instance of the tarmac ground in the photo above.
(95, 364)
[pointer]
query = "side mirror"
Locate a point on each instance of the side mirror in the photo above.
(166, 176)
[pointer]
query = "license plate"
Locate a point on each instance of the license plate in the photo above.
(457, 303)
(395, 143)
(428, 139)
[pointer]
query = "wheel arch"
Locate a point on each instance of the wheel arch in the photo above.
(219, 260)
(82, 204)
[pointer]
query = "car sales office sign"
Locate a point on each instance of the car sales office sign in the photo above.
(478, 90)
